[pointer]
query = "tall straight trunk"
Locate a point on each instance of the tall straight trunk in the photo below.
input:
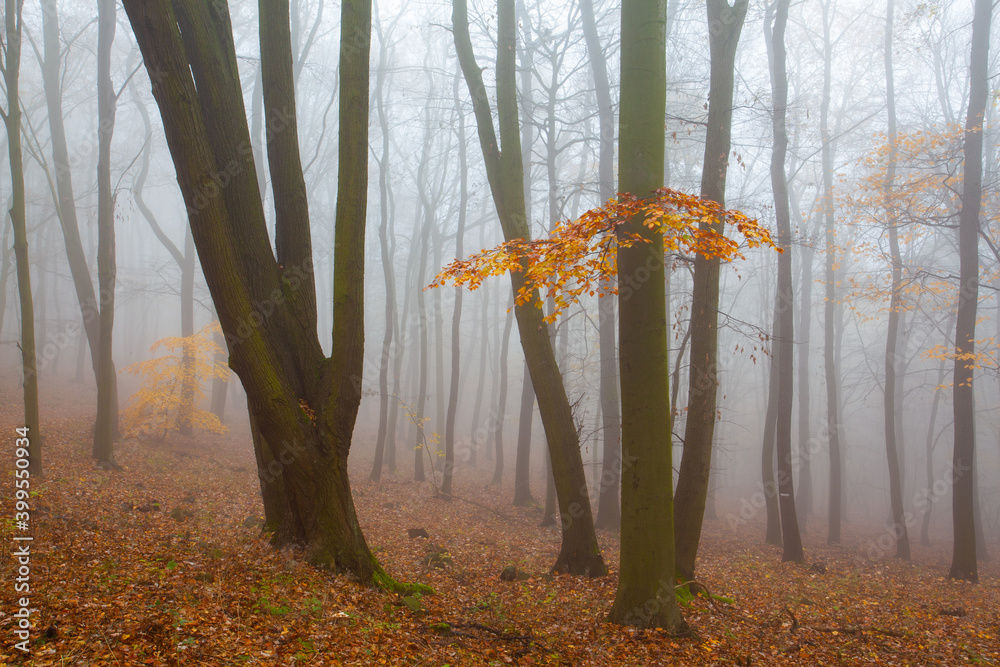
(12, 120)
(608, 506)
(522, 460)
(107, 384)
(645, 595)
(501, 415)
(422, 444)
(899, 527)
(835, 502)
(773, 531)
(387, 255)
(456, 318)
(784, 340)
(925, 522)
(804, 494)
(478, 438)
(579, 553)
(703, 378)
(964, 562)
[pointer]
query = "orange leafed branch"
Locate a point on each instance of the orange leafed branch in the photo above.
(580, 254)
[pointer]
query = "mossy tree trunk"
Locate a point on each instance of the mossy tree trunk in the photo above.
(303, 403)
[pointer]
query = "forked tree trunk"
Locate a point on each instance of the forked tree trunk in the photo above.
(580, 553)
(964, 562)
(703, 379)
(303, 403)
(645, 595)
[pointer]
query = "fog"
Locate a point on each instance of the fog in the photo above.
(417, 190)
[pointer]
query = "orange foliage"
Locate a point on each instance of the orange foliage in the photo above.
(580, 254)
(155, 406)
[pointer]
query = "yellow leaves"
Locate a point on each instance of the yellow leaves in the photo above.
(580, 256)
(172, 385)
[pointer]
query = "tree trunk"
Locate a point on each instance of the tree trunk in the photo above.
(608, 506)
(964, 563)
(297, 397)
(501, 415)
(803, 497)
(703, 379)
(580, 553)
(107, 383)
(784, 340)
(899, 528)
(645, 595)
(770, 486)
(387, 255)
(830, 295)
(522, 462)
(12, 120)
(456, 320)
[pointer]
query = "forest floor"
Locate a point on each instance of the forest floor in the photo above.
(163, 563)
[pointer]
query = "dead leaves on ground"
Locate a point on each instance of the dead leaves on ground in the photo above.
(163, 564)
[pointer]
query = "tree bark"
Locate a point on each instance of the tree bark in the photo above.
(12, 120)
(580, 553)
(501, 415)
(830, 295)
(645, 595)
(892, 359)
(522, 461)
(964, 562)
(725, 25)
(107, 383)
(298, 398)
(784, 340)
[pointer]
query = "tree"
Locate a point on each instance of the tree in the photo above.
(303, 403)
(12, 121)
(580, 553)
(963, 564)
(725, 24)
(645, 595)
(784, 320)
(107, 379)
(830, 304)
(892, 335)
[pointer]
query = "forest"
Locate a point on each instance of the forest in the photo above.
(658, 332)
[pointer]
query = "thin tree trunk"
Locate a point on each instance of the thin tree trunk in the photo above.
(456, 320)
(522, 463)
(107, 392)
(770, 486)
(835, 501)
(579, 553)
(12, 120)
(964, 563)
(791, 540)
(501, 415)
(899, 527)
(703, 379)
